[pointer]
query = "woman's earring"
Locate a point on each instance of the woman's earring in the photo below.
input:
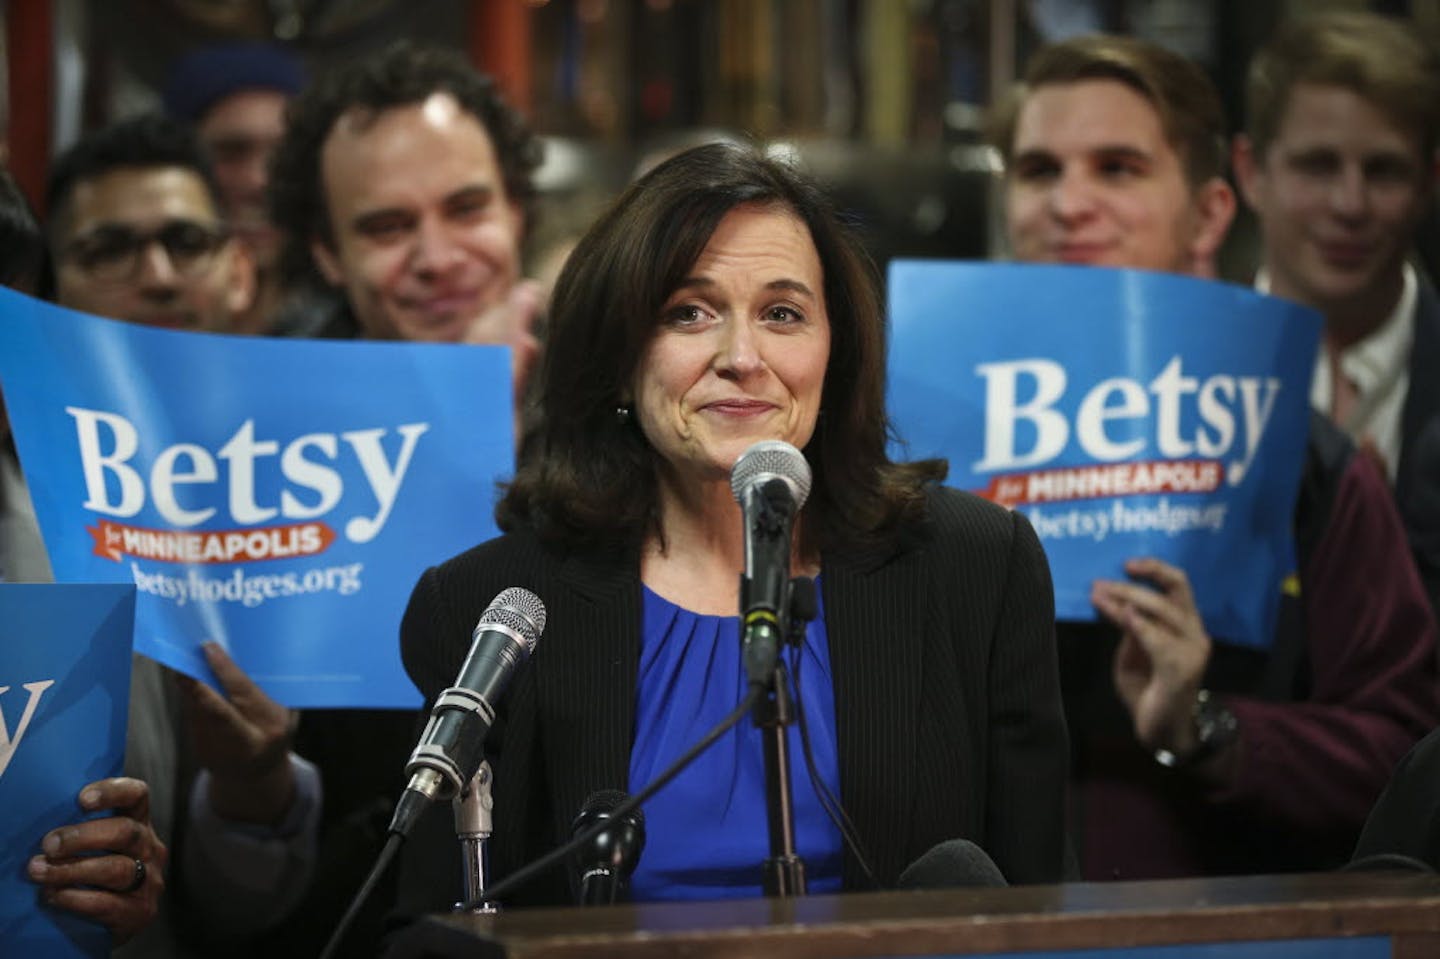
(622, 415)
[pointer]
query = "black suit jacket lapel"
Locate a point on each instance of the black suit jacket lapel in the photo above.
(587, 690)
(874, 612)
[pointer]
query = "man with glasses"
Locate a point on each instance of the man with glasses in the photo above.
(135, 234)
(135, 231)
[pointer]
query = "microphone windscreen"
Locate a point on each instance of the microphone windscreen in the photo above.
(618, 846)
(602, 802)
(953, 864)
(767, 460)
(606, 860)
(519, 609)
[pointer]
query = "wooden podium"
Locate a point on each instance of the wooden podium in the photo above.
(1347, 915)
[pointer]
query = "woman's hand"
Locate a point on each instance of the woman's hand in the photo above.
(111, 869)
(1163, 651)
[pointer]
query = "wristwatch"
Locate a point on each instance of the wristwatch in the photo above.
(1215, 728)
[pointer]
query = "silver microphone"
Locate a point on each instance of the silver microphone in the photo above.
(771, 481)
(453, 744)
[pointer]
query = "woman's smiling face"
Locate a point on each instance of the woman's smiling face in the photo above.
(741, 349)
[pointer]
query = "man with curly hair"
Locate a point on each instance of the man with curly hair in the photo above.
(405, 181)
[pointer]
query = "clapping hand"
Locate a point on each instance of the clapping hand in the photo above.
(1163, 651)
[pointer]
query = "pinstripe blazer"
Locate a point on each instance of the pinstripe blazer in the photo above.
(942, 651)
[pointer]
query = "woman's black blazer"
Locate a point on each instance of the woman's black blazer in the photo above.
(942, 649)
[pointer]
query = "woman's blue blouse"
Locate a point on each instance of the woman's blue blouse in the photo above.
(706, 832)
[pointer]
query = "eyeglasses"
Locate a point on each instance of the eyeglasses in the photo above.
(112, 253)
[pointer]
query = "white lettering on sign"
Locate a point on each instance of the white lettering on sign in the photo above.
(1108, 415)
(108, 442)
(8, 743)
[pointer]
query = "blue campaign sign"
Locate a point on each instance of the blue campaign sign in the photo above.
(1125, 413)
(280, 497)
(64, 699)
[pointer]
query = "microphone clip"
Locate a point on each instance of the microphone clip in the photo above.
(804, 607)
(474, 823)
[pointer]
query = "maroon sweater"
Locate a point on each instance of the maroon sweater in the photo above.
(1349, 686)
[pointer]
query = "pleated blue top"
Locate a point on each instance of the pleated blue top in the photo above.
(706, 832)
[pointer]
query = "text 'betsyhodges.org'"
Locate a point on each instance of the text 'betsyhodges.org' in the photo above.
(248, 591)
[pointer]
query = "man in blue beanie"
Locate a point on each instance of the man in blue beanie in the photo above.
(235, 95)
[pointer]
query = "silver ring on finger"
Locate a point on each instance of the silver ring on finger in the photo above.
(139, 879)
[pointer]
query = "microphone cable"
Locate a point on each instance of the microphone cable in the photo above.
(377, 871)
(828, 801)
(562, 853)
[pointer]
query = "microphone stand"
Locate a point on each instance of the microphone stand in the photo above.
(784, 870)
(473, 826)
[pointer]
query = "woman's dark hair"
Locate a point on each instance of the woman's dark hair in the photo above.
(587, 477)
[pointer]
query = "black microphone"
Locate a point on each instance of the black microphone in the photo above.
(953, 864)
(453, 744)
(770, 481)
(607, 860)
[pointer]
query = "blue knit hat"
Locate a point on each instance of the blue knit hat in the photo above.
(206, 75)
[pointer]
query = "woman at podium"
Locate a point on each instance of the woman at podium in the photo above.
(718, 304)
